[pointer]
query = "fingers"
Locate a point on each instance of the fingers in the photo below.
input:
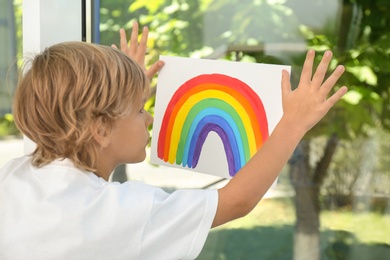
(286, 85)
(141, 50)
(316, 82)
(308, 103)
(137, 50)
(322, 68)
(123, 41)
(307, 68)
(133, 48)
(332, 100)
(156, 67)
(134, 39)
(331, 81)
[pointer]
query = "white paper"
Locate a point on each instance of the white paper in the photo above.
(225, 117)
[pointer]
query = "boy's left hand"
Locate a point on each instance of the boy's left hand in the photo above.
(137, 50)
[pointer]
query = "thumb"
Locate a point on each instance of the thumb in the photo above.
(156, 67)
(286, 85)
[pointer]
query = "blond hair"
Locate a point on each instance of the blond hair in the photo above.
(68, 87)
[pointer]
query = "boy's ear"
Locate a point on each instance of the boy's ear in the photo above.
(101, 132)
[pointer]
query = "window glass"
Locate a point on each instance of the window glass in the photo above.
(332, 199)
(8, 52)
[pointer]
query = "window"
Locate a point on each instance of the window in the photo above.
(339, 210)
(332, 200)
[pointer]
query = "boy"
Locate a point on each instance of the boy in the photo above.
(82, 104)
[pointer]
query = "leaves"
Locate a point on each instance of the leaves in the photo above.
(179, 27)
(7, 125)
(152, 6)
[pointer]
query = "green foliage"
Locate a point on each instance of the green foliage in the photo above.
(174, 26)
(19, 31)
(7, 126)
(361, 44)
(366, 58)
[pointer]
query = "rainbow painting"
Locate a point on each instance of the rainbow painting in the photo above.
(210, 102)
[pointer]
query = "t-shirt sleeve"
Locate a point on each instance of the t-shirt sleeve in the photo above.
(179, 223)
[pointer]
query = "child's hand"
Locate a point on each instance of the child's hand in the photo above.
(137, 50)
(303, 108)
(307, 104)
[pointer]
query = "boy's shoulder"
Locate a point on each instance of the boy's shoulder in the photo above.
(14, 164)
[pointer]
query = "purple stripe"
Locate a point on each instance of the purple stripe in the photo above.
(221, 133)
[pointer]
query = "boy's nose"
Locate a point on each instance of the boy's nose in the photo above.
(150, 119)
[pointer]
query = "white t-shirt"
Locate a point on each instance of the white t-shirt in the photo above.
(61, 212)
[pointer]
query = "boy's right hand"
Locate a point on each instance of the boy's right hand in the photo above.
(303, 108)
(308, 103)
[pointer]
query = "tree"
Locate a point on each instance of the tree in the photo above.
(363, 47)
